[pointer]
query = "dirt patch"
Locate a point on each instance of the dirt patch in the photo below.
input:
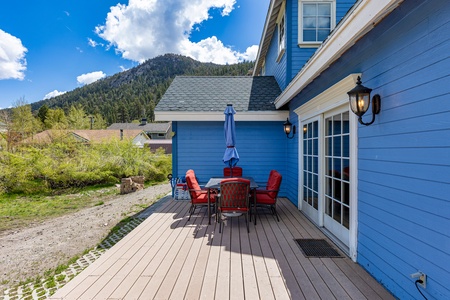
(29, 252)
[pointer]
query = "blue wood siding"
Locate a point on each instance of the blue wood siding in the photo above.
(262, 146)
(292, 162)
(404, 157)
(274, 68)
(295, 57)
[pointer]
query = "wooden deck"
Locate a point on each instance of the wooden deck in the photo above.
(169, 257)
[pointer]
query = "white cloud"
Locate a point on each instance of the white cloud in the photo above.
(93, 43)
(90, 77)
(147, 28)
(12, 57)
(53, 94)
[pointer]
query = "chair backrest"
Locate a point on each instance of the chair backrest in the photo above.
(232, 172)
(273, 183)
(194, 187)
(234, 193)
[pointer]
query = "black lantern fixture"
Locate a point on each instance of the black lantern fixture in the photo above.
(359, 98)
(288, 128)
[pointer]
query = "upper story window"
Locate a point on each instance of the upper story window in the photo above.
(281, 24)
(316, 20)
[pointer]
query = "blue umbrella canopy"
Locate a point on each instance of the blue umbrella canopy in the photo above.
(231, 156)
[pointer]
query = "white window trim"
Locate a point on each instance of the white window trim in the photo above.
(303, 44)
(281, 17)
(331, 99)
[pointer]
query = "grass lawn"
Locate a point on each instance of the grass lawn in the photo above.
(21, 210)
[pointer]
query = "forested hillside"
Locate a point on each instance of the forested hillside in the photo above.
(133, 94)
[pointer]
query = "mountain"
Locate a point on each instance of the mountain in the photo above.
(133, 94)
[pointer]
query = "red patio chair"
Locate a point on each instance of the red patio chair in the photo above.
(199, 196)
(232, 172)
(233, 199)
(268, 197)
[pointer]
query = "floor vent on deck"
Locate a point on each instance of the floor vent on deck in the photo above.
(317, 248)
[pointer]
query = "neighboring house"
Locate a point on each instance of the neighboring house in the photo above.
(153, 130)
(380, 192)
(154, 145)
(138, 137)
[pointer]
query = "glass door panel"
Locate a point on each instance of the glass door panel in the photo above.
(337, 181)
(310, 158)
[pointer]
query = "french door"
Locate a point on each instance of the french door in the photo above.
(325, 192)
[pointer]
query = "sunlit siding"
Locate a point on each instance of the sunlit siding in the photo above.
(404, 157)
(261, 147)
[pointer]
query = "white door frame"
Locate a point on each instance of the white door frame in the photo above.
(330, 99)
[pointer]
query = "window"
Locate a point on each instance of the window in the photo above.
(317, 19)
(281, 31)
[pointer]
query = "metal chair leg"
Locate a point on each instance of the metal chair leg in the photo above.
(246, 222)
(191, 211)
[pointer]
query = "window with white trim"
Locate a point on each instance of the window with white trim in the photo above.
(281, 25)
(316, 20)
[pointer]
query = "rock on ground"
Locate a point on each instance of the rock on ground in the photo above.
(28, 252)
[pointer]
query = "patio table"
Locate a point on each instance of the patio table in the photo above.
(214, 183)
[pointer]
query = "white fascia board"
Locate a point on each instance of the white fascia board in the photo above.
(279, 115)
(270, 15)
(358, 22)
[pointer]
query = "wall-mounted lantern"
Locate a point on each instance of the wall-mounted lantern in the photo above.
(359, 98)
(288, 128)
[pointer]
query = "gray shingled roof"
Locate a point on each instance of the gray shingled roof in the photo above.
(149, 127)
(201, 93)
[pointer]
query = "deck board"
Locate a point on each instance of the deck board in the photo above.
(169, 257)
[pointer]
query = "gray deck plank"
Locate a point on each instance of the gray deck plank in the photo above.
(168, 257)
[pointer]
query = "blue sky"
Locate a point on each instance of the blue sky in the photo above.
(48, 47)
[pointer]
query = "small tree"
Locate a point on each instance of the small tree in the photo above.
(42, 113)
(24, 124)
(56, 119)
(77, 118)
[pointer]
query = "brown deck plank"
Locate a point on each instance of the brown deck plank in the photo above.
(167, 257)
(173, 274)
(261, 273)
(155, 256)
(365, 277)
(295, 228)
(78, 280)
(236, 278)
(291, 252)
(196, 273)
(284, 265)
(248, 268)
(223, 271)
(185, 275)
(152, 240)
(275, 275)
(208, 289)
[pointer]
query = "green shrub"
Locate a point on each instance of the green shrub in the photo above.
(73, 165)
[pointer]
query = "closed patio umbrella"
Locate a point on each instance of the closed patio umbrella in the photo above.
(231, 156)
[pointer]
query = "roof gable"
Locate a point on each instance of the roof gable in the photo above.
(208, 96)
(148, 127)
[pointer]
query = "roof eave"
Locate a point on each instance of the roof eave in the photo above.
(279, 115)
(266, 36)
(360, 20)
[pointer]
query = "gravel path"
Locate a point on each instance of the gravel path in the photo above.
(29, 252)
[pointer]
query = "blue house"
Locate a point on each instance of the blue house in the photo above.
(379, 191)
